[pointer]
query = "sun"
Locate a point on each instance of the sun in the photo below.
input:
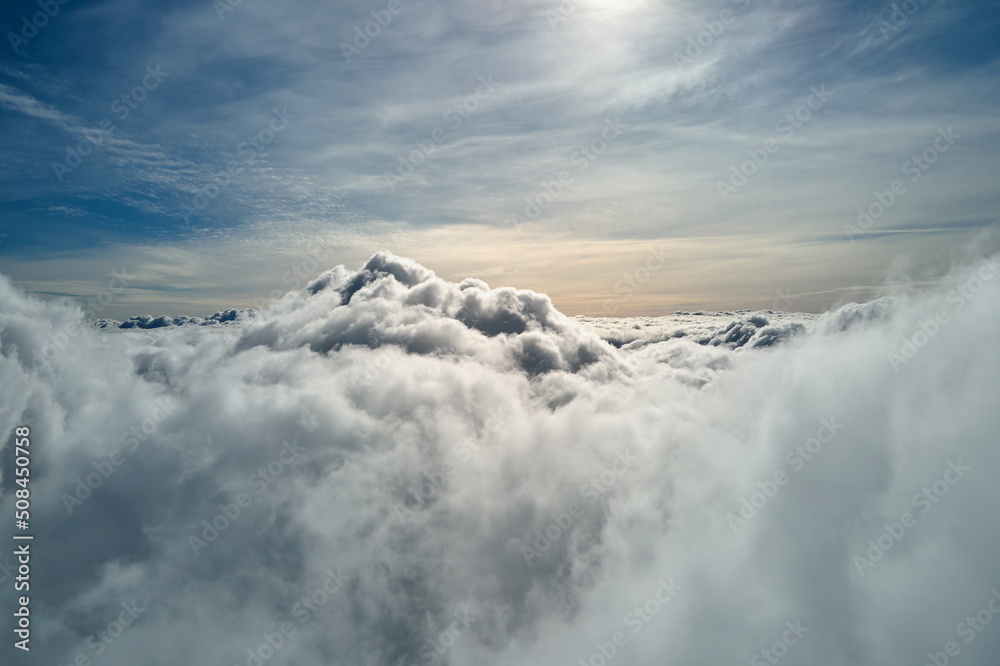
(591, 11)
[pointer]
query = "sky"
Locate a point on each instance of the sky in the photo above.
(597, 151)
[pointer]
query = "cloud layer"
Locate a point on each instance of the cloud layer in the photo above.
(388, 468)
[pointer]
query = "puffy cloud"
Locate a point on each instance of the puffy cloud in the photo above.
(731, 330)
(397, 469)
(149, 321)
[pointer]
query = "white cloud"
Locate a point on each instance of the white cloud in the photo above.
(505, 417)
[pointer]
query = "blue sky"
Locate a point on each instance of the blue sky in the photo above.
(508, 94)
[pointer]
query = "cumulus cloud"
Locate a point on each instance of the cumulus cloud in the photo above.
(149, 321)
(388, 468)
(732, 330)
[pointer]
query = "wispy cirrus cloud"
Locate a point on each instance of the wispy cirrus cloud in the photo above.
(698, 84)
